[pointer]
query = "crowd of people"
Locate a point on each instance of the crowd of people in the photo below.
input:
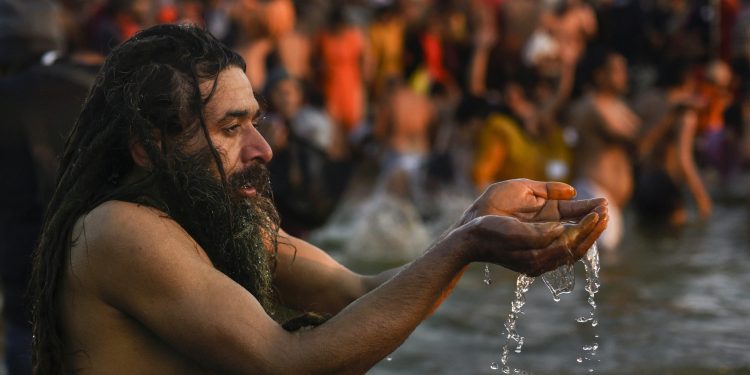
(635, 101)
(632, 100)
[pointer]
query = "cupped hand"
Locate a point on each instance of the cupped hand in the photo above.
(531, 248)
(533, 201)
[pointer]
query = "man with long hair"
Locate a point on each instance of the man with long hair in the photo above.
(161, 250)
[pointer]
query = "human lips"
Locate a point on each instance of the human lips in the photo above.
(247, 191)
(250, 182)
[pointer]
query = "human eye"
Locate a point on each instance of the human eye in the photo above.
(232, 129)
(259, 120)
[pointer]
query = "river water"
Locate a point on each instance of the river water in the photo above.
(670, 302)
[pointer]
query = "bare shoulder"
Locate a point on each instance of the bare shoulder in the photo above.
(121, 237)
(118, 218)
(116, 224)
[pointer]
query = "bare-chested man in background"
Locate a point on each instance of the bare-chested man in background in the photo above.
(162, 254)
(607, 129)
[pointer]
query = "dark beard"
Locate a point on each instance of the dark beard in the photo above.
(238, 234)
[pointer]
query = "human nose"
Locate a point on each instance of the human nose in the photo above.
(255, 147)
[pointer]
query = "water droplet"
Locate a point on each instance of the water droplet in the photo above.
(494, 366)
(487, 278)
(579, 359)
(388, 358)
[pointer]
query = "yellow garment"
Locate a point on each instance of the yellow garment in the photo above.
(387, 43)
(504, 151)
(420, 81)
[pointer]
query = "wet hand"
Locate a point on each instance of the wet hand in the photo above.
(534, 201)
(528, 248)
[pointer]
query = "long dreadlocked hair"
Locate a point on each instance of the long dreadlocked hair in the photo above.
(147, 88)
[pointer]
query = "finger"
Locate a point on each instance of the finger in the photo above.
(587, 242)
(551, 190)
(559, 210)
(559, 190)
(579, 237)
(574, 210)
(566, 250)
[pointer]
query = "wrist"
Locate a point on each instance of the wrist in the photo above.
(454, 246)
(470, 214)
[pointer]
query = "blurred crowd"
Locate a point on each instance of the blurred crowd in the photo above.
(644, 102)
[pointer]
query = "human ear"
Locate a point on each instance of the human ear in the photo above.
(139, 154)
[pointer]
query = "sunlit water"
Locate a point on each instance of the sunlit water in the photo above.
(671, 302)
(523, 283)
(558, 281)
(592, 267)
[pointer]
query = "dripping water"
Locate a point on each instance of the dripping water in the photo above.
(592, 265)
(523, 283)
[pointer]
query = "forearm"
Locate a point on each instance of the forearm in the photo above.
(376, 324)
(371, 282)
(690, 170)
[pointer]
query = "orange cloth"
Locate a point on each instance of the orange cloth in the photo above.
(433, 53)
(343, 85)
(127, 26)
(712, 116)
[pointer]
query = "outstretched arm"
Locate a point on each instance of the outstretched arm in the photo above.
(173, 290)
(308, 279)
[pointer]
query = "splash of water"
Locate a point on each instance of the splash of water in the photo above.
(560, 280)
(487, 279)
(523, 283)
(592, 265)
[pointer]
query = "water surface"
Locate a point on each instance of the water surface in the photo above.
(671, 302)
